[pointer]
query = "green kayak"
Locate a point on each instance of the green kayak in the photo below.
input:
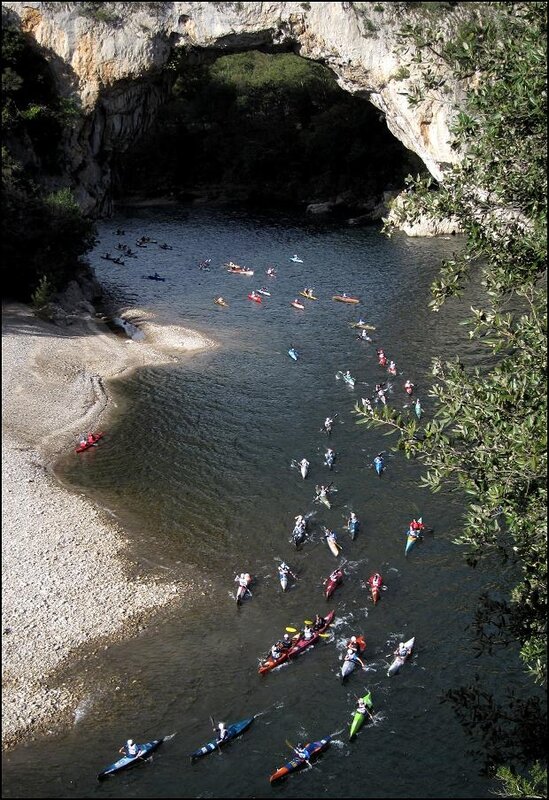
(358, 718)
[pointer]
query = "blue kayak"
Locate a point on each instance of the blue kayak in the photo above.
(144, 752)
(292, 352)
(233, 731)
(379, 465)
(353, 528)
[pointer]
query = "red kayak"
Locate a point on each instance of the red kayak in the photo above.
(375, 586)
(255, 298)
(297, 648)
(332, 582)
(87, 444)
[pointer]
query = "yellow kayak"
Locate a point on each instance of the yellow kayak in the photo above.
(308, 296)
(363, 326)
(220, 302)
(344, 299)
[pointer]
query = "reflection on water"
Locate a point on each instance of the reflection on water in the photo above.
(197, 461)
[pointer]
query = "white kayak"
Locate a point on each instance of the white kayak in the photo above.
(332, 544)
(304, 467)
(399, 660)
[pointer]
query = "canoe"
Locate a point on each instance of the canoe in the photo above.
(399, 660)
(220, 302)
(86, 445)
(333, 583)
(233, 731)
(255, 298)
(308, 296)
(293, 353)
(304, 468)
(145, 751)
(411, 540)
(296, 649)
(348, 666)
(358, 718)
(295, 304)
(364, 326)
(341, 299)
(333, 545)
(353, 528)
(313, 750)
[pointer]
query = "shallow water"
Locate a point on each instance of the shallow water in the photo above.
(197, 463)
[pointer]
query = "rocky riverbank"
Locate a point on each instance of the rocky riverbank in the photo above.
(63, 559)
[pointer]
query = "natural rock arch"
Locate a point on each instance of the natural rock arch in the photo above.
(113, 57)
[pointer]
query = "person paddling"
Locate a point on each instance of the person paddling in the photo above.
(130, 749)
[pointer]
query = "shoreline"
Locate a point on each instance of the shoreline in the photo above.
(61, 559)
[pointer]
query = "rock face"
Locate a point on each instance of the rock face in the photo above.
(113, 58)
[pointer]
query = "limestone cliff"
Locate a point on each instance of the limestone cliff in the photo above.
(113, 56)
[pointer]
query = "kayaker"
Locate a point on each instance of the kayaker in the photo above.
(331, 535)
(275, 651)
(328, 422)
(301, 752)
(364, 335)
(367, 405)
(353, 645)
(416, 526)
(284, 569)
(329, 456)
(402, 650)
(378, 461)
(130, 749)
(347, 375)
(334, 575)
(353, 520)
(286, 641)
(376, 580)
(361, 706)
(219, 299)
(408, 387)
(323, 491)
(222, 732)
(91, 438)
(351, 655)
(300, 521)
(307, 632)
(319, 622)
(391, 369)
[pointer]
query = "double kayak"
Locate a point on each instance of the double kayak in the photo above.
(292, 352)
(144, 752)
(349, 664)
(332, 582)
(342, 298)
(297, 648)
(233, 731)
(399, 660)
(87, 444)
(312, 750)
(358, 718)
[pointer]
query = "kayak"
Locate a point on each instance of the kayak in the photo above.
(348, 666)
(411, 539)
(329, 459)
(313, 750)
(220, 302)
(283, 576)
(233, 731)
(379, 466)
(264, 292)
(144, 752)
(399, 660)
(293, 353)
(418, 409)
(375, 590)
(86, 445)
(322, 499)
(295, 304)
(297, 648)
(308, 296)
(304, 469)
(347, 378)
(333, 583)
(353, 528)
(363, 326)
(333, 545)
(153, 277)
(255, 298)
(358, 718)
(296, 260)
(342, 299)
(243, 590)
(298, 534)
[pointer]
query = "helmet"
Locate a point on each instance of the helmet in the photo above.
(286, 636)
(353, 638)
(221, 724)
(129, 742)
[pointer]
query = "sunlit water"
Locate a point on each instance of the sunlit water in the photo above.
(197, 464)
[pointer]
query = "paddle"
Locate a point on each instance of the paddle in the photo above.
(215, 732)
(297, 753)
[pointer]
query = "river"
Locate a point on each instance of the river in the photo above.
(197, 465)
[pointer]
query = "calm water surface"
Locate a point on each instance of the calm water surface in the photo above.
(197, 465)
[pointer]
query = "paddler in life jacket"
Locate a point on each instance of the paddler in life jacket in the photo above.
(284, 569)
(391, 369)
(361, 707)
(91, 438)
(328, 422)
(307, 632)
(276, 651)
(286, 641)
(408, 387)
(352, 655)
(222, 732)
(402, 650)
(319, 622)
(376, 581)
(130, 749)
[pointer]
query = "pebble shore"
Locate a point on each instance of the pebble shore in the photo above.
(63, 558)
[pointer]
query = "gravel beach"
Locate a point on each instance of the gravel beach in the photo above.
(61, 559)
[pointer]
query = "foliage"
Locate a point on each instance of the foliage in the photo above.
(275, 128)
(43, 235)
(533, 785)
(488, 435)
(43, 292)
(100, 12)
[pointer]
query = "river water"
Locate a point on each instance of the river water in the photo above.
(197, 465)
